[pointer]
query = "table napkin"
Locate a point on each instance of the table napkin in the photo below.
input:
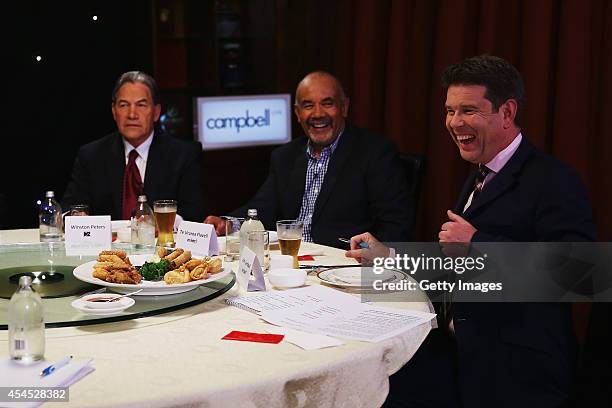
(13, 374)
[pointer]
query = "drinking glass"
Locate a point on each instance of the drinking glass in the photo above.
(259, 242)
(232, 237)
(165, 214)
(289, 238)
(79, 209)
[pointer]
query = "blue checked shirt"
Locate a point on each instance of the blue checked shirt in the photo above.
(315, 173)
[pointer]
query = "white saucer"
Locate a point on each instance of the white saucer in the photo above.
(123, 304)
(358, 277)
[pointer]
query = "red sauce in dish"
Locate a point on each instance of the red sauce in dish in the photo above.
(103, 299)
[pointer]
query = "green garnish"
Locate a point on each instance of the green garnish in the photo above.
(154, 271)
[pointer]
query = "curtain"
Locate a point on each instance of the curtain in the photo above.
(390, 56)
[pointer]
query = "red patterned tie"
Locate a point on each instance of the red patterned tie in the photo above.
(132, 186)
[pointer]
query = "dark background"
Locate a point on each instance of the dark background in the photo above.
(388, 54)
(63, 101)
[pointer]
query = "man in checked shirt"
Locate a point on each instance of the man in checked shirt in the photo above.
(339, 179)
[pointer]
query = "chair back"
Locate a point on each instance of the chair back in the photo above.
(414, 168)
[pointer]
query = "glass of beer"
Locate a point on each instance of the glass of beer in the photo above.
(165, 214)
(290, 237)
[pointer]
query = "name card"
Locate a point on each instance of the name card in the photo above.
(200, 239)
(87, 235)
(249, 265)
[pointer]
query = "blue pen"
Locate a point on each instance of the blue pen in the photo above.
(362, 244)
(64, 361)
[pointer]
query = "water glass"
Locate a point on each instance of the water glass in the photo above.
(78, 210)
(232, 237)
(259, 242)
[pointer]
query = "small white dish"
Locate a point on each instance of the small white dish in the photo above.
(278, 261)
(85, 306)
(105, 301)
(287, 277)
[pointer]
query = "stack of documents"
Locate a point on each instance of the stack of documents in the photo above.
(322, 310)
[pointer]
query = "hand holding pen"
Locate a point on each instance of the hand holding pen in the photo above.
(365, 247)
(362, 244)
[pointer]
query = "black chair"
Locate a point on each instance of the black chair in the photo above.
(414, 167)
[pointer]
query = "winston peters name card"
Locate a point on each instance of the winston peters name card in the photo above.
(87, 235)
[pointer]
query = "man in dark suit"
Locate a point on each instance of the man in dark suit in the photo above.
(339, 180)
(110, 173)
(507, 354)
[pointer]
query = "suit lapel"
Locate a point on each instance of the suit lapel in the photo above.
(154, 170)
(297, 181)
(334, 168)
(505, 179)
(116, 167)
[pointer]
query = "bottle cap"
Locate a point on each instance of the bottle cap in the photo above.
(49, 194)
(252, 212)
(142, 198)
(25, 281)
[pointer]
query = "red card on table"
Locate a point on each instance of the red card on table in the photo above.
(305, 258)
(255, 337)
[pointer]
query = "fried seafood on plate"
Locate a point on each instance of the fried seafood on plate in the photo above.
(115, 267)
(177, 276)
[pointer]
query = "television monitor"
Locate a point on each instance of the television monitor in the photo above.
(225, 122)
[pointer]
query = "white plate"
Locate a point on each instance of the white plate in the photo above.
(358, 277)
(81, 305)
(84, 272)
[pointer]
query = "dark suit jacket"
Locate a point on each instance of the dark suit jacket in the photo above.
(173, 172)
(521, 354)
(364, 190)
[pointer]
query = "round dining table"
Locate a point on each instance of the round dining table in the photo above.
(178, 359)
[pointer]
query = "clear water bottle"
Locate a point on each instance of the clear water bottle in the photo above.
(251, 223)
(50, 219)
(143, 224)
(25, 324)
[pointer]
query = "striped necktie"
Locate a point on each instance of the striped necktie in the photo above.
(480, 178)
(481, 174)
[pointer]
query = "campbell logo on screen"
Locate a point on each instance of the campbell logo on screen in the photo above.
(239, 122)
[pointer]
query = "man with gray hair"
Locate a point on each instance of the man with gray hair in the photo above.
(110, 173)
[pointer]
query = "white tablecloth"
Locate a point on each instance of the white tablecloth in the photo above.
(179, 360)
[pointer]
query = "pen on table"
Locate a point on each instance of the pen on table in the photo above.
(362, 244)
(64, 361)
